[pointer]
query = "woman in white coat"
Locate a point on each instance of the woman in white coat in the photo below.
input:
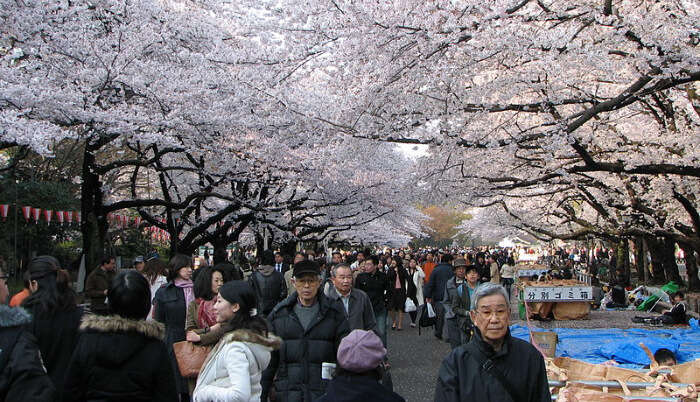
(233, 370)
(417, 275)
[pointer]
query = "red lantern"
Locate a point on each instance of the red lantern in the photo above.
(110, 217)
(68, 216)
(59, 217)
(47, 215)
(4, 209)
(137, 221)
(36, 213)
(77, 216)
(27, 212)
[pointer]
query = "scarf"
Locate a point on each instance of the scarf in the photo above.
(206, 317)
(187, 287)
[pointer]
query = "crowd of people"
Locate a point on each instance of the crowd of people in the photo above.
(313, 330)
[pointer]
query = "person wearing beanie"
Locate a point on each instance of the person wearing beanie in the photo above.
(360, 360)
(233, 370)
(311, 327)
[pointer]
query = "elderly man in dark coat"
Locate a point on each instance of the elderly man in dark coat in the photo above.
(493, 366)
(311, 327)
(356, 304)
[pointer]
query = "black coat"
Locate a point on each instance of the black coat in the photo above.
(358, 388)
(22, 374)
(118, 359)
(376, 286)
(170, 309)
(403, 277)
(298, 361)
(270, 288)
(462, 379)
(56, 334)
(435, 288)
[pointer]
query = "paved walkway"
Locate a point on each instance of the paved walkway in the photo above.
(415, 361)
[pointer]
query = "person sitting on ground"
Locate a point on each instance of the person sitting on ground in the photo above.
(121, 356)
(360, 360)
(493, 366)
(677, 314)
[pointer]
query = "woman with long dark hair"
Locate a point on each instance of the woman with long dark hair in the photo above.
(233, 369)
(398, 279)
(200, 324)
(120, 355)
(56, 316)
(170, 308)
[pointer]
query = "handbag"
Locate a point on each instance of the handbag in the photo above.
(190, 357)
(409, 306)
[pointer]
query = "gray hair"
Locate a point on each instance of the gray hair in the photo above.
(334, 269)
(488, 289)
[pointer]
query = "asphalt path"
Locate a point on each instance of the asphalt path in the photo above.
(415, 361)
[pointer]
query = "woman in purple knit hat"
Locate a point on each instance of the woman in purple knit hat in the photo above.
(361, 366)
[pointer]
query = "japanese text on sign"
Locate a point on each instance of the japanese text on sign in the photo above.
(558, 294)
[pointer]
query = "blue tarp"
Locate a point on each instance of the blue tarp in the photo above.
(622, 345)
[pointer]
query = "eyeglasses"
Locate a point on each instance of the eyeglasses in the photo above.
(4, 277)
(498, 313)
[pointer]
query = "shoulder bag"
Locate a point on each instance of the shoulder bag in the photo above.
(190, 357)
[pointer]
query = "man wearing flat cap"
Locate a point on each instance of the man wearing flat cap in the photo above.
(311, 327)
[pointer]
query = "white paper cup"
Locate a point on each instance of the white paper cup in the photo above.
(327, 371)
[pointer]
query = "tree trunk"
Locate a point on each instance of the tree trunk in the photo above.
(658, 274)
(691, 268)
(288, 249)
(623, 259)
(259, 244)
(639, 257)
(220, 254)
(93, 224)
(669, 259)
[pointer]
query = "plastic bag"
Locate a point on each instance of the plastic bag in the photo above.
(409, 306)
(431, 311)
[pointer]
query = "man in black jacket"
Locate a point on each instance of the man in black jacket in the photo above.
(311, 327)
(376, 284)
(434, 290)
(493, 366)
(22, 374)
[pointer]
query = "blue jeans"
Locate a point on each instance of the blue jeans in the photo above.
(381, 325)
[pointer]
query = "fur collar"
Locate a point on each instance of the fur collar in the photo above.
(115, 323)
(13, 316)
(244, 335)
